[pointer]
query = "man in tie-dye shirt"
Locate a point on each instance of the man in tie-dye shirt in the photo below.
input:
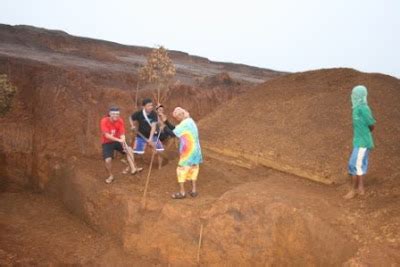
(189, 150)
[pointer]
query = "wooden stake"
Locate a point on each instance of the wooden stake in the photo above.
(200, 240)
(147, 180)
(158, 93)
(136, 96)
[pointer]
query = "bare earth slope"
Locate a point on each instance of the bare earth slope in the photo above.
(253, 216)
(65, 84)
(61, 49)
(301, 123)
(36, 230)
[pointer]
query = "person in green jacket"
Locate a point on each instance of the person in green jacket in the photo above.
(363, 125)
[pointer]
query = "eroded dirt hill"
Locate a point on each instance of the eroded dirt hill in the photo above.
(251, 215)
(61, 49)
(65, 84)
(301, 123)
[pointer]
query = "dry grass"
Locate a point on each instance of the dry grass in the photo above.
(7, 92)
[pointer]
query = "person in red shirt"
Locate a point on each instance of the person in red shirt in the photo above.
(113, 138)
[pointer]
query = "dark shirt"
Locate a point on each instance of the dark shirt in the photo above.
(144, 127)
(169, 125)
(167, 131)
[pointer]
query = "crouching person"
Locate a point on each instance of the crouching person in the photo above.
(113, 139)
(189, 150)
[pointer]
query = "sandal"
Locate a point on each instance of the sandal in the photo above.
(126, 170)
(109, 179)
(193, 194)
(137, 170)
(178, 195)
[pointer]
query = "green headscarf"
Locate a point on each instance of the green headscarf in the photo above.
(359, 96)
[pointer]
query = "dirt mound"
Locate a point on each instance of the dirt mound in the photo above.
(301, 123)
(249, 217)
(249, 225)
(274, 229)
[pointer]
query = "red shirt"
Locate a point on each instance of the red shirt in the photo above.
(115, 128)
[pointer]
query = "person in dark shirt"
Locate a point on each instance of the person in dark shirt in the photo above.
(145, 123)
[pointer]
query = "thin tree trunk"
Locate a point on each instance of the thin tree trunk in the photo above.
(136, 96)
(158, 94)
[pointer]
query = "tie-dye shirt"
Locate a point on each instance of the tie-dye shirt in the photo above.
(189, 144)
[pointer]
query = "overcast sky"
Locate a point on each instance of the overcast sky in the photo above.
(289, 35)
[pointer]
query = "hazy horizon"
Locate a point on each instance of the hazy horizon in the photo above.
(287, 35)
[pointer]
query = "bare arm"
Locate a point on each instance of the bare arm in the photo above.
(113, 138)
(153, 130)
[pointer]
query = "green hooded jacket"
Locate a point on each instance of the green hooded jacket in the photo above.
(362, 118)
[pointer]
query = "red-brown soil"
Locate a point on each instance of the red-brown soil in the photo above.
(254, 213)
(254, 216)
(37, 231)
(65, 85)
(301, 123)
